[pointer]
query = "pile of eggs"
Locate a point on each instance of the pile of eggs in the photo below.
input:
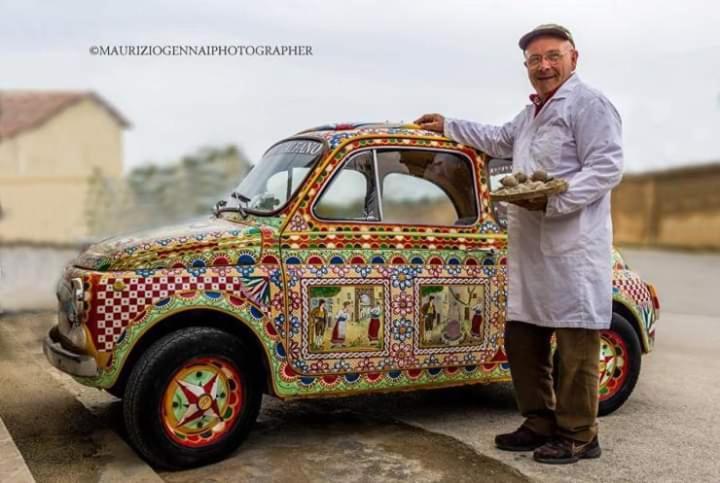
(517, 182)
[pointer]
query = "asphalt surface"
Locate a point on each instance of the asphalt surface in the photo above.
(667, 431)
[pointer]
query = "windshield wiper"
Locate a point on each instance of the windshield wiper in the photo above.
(219, 206)
(239, 197)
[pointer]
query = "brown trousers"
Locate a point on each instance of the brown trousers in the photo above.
(568, 408)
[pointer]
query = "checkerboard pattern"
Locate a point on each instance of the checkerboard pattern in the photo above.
(634, 288)
(117, 308)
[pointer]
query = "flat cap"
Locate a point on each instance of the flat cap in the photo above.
(551, 29)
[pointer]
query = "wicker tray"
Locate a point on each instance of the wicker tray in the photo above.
(550, 188)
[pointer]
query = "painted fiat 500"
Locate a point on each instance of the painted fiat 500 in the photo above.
(352, 259)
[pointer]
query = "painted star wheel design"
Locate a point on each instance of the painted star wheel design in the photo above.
(613, 365)
(202, 400)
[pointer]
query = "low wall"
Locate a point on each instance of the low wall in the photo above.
(29, 273)
(678, 208)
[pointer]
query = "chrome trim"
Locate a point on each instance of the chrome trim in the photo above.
(66, 361)
(477, 188)
(378, 189)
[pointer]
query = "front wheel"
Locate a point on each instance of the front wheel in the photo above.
(191, 399)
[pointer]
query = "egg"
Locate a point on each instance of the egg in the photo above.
(539, 175)
(509, 181)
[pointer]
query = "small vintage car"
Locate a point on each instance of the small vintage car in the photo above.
(354, 258)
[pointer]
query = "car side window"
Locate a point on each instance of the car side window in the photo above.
(423, 187)
(497, 170)
(351, 194)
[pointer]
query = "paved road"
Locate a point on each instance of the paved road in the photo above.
(667, 431)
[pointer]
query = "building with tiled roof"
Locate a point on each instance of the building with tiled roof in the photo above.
(25, 110)
(50, 144)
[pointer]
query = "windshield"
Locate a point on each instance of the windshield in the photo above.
(276, 177)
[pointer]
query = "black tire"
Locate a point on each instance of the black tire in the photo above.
(619, 328)
(116, 391)
(145, 402)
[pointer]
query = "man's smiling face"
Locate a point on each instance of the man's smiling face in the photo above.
(550, 62)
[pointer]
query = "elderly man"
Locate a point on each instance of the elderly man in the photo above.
(559, 258)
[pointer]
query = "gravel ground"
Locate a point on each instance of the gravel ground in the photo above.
(70, 433)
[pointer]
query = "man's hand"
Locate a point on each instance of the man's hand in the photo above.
(432, 122)
(536, 204)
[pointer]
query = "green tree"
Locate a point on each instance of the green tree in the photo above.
(326, 292)
(426, 290)
(153, 195)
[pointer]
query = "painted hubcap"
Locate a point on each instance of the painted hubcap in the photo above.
(202, 401)
(613, 364)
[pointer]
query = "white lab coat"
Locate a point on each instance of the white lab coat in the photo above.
(559, 261)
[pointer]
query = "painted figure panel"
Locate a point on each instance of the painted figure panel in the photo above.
(346, 317)
(453, 315)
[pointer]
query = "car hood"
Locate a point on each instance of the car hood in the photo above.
(198, 244)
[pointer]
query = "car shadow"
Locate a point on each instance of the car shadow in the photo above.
(361, 438)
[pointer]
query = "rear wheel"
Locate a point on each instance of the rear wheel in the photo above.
(620, 359)
(192, 398)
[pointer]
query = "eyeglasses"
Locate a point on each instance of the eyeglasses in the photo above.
(553, 57)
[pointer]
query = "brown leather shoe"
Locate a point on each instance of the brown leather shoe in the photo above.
(560, 451)
(522, 439)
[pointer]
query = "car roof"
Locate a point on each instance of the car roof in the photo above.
(334, 134)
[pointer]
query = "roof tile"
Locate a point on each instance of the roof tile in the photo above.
(24, 110)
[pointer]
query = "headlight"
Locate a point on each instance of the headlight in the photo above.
(78, 294)
(71, 296)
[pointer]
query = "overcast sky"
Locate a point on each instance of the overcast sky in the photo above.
(659, 62)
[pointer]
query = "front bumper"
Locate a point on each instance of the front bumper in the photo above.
(65, 360)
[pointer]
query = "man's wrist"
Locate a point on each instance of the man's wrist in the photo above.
(446, 121)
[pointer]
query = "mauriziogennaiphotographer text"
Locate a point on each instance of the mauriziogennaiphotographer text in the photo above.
(173, 50)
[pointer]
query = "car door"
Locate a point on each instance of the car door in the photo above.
(453, 276)
(391, 264)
